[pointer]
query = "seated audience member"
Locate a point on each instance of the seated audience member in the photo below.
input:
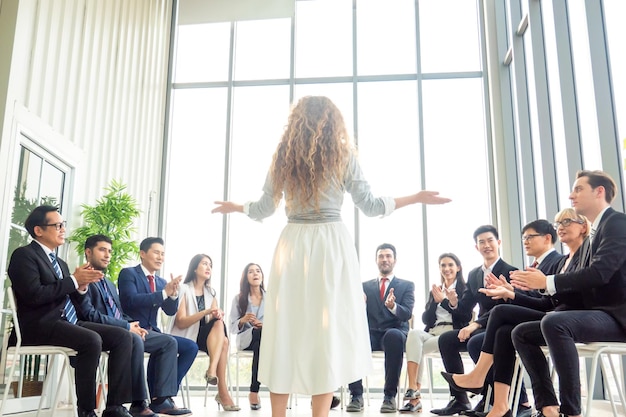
(452, 342)
(601, 283)
(42, 284)
(143, 294)
(101, 304)
(438, 317)
(246, 321)
(200, 319)
(389, 304)
(497, 349)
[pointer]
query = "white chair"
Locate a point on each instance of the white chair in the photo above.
(19, 351)
(378, 355)
(239, 354)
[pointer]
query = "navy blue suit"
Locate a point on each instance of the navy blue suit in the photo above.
(140, 303)
(388, 331)
(93, 306)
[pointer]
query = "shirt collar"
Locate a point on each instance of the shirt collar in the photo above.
(44, 247)
(540, 259)
(596, 222)
(145, 271)
(490, 268)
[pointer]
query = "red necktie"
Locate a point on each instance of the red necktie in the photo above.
(534, 265)
(383, 282)
(151, 280)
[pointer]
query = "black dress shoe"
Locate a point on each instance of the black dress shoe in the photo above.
(480, 406)
(453, 407)
(411, 408)
(524, 411)
(116, 411)
(356, 404)
(388, 405)
(86, 413)
(448, 377)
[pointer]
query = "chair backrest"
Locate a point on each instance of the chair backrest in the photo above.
(16, 322)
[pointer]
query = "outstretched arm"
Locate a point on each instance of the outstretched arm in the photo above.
(226, 207)
(424, 197)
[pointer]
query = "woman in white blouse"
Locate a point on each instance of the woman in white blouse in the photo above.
(246, 321)
(199, 318)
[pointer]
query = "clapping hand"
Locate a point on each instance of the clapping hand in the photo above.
(390, 302)
(171, 288)
(453, 297)
(438, 294)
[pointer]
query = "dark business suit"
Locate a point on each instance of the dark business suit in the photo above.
(93, 306)
(449, 344)
(524, 307)
(40, 296)
(140, 303)
(600, 284)
(388, 331)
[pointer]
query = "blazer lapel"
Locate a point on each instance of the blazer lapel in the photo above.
(44, 258)
(142, 278)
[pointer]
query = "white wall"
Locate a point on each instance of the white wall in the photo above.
(95, 73)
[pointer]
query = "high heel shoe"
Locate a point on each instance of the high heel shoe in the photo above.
(226, 407)
(448, 377)
(257, 405)
(210, 379)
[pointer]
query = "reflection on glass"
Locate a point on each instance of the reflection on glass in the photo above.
(455, 155)
(262, 49)
(449, 35)
(202, 52)
(386, 37)
(196, 178)
(326, 52)
(585, 94)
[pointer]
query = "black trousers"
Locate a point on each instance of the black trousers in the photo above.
(254, 347)
(450, 348)
(392, 342)
(89, 340)
(560, 331)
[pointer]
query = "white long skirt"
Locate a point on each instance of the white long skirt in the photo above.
(315, 333)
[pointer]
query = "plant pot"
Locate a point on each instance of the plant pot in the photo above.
(29, 388)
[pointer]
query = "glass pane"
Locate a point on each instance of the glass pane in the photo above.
(27, 191)
(386, 37)
(259, 117)
(556, 105)
(585, 94)
(449, 35)
(196, 179)
(202, 52)
(52, 182)
(262, 49)
(455, 142)
(614, 13)
(326, 52)
(389, 154)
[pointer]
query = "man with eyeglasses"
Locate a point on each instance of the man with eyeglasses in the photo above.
(600, 282)
(453, 342)
(42, 284)
(539, 237)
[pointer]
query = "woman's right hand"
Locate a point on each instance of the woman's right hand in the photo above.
(247, 318)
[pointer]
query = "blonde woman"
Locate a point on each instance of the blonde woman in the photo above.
(314, 306)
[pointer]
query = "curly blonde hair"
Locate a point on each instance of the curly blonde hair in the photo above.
(312, 154)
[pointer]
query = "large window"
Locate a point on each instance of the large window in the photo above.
(408, 78)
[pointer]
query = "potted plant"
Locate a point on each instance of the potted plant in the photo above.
(113, 216)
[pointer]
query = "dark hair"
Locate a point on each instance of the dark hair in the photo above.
(191, 271)
(487, 228)
(147, 243)
(460, 281)
(600, 178)
(543, 227)
(387, 246)
(37, 217)
(244, 288)
(92, 241)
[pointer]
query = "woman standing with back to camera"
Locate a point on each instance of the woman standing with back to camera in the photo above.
(315, 335)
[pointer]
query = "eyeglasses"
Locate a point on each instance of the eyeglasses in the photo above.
(566, 222)
(57, 226)
(528, 237)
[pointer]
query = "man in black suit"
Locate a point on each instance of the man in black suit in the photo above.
(101, 304)
(601, 282)
(453, 342)
(42, 284)
(389, 305)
